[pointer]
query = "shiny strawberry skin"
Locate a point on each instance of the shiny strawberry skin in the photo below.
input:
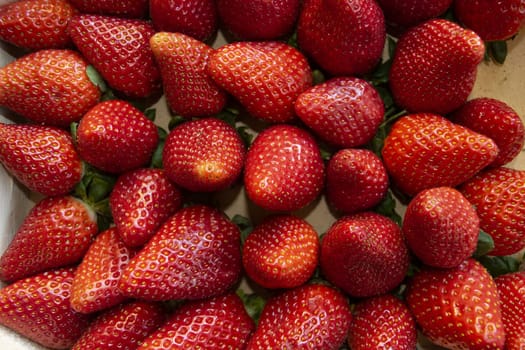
(266, 77)
(447, 57)
(457, 308)
(119, 49)
(284, 170)
(511, 289)
(117, 8)
(188, 89)
(426, 150)
(343, 37)
(195, 254)
(48, 87)
(42, 158)
(281, 252)
(140, 202)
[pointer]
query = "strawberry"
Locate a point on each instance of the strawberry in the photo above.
(312, 316)
(447, 57)
(48, 86)
(204, 155)
(56, 232)
(497, 120)
(259, 19)
(426, 150)
(42, 158)
(188, 89)
(195, 254)
(284, 170)
(116, 137)
(281, 252)
(356, 180)
(457, 308)
(36, 24)
(38, 308)
(364, 254)
(345, 111)
(382, 322)
(511, 289)
(140, 202)
(118, 8)
(343, 37)
(266, 77)
(119, 49)
(499, 199)
(220, 322)
(123, 327)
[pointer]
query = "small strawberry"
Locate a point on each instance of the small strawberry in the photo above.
(42, 158)
(188, 89)
(266, 77)
(119, 49)
(49, 87)
(284, 170)
(220, 322)
(343, 37)
(312, 316)
(446, 56)
(364, 254)
(116, 137)
(118, 8)
(457, 308)
(140, 202)
(511, 289)
(426, 150)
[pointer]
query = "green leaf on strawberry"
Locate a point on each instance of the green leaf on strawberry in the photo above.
(388, 208)
(96, 78)
(485, 244)
(500, 265)
(244, 224)
(253, 303)
(496, 50)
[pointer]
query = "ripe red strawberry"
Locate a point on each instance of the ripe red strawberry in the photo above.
(446, 56)
(496, 120)
(42, 158)
(266, 77)
(36, 24)
(356, 180)
(345, 111)
(457, 308)
(116, 137)
(364, 254)
(195, 254)
(312, 316)
(118, 8)
(426, 150)
(284, 170)
(382, 322)
(281, 252)
(259, 19)
(188, 89)
(123, 327)
(195, 18)
(499, 199)
(511, 289)
(48, 86)
(140, 202)
(220, 322)
(119, 49)
(343, 37)
(204, 155)
(56, 232)
(38, 308)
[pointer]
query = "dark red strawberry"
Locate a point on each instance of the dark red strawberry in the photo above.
(118, 8)
(344, 37)
(446, 56)
(511, 289)
(266, 77)
(284, 170)
(119, 49)
(188, 89)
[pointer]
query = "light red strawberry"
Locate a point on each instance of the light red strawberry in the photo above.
(266, 77)
(511, 289)
(117, 8)
(48, 87)
(42, 158)
(188, 89)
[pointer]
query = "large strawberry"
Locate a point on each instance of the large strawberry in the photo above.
(117, 8)
(446, 56)
(48, 86)
(266, 77)
(42, 158)
(511, 289)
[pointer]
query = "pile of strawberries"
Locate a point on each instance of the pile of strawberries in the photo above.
(124, 249)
